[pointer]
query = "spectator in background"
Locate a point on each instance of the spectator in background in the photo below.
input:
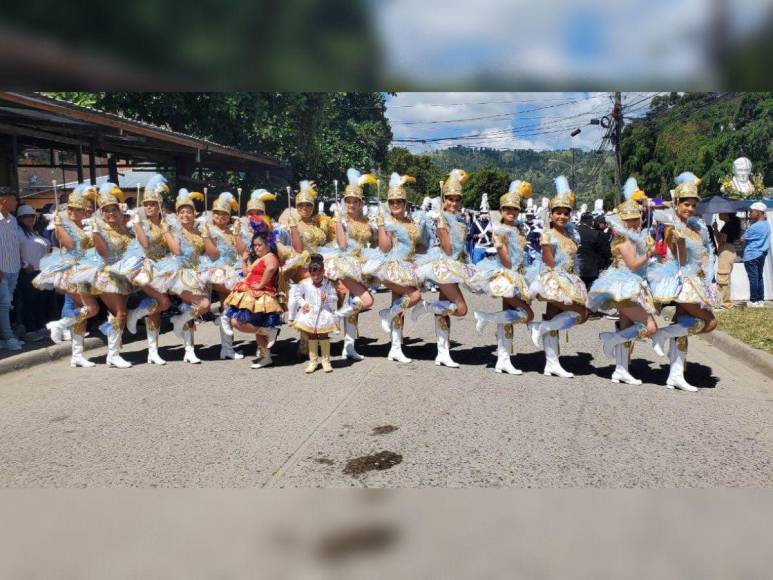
(600, 224)
(726, 238)
(10, 264)
(756, 241)
(33, 306)
(593, 252)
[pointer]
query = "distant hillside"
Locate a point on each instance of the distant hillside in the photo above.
(702, 133)
(593, 171)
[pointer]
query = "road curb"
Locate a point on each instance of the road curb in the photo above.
(43, 355)
(754, 357)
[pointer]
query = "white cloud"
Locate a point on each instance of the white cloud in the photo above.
(524, 120)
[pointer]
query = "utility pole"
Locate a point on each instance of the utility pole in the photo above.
(617, 132)
(574, 134)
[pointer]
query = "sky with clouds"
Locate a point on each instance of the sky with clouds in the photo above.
(570, 43)
(540, 121)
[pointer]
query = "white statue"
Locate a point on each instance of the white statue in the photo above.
(484, 202)
(742, 183)
(598, 207)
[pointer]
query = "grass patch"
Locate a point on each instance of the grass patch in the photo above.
(754, 326)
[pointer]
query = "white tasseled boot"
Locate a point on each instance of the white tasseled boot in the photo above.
(563, 321)
(388, 314)
(350, 336)
(682, 327)
(114, 336)
(179, 321)
(552, 365)
(482, 319)
(59, 328)
(504, 348)
(621, 374)
(147, 306)
(436, 307)
(190, 352)
(443, 336)
(678, 359)
(610, 340)
(396, 335)
(153, 357)
(77, 359)
(352, 306)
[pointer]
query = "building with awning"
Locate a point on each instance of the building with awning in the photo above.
(43, 139)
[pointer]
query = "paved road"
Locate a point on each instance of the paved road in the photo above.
(222, 424)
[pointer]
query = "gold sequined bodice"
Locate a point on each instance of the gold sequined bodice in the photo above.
(566, 246)
(312, 234)
(360, 232)
(157, 246)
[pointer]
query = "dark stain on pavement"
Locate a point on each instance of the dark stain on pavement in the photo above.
(375, 462)
(384, 429)
(324, 461)
(356, 541)
(60, 418)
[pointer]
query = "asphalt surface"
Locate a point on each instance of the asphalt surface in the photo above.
(222, 424)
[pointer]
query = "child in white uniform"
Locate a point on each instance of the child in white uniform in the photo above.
(317, 301)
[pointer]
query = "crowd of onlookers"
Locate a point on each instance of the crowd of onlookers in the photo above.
(24, 241)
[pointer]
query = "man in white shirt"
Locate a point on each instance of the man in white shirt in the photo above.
(10, 264)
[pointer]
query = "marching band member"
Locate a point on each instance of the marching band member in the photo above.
(221, 265)
(110, 268)
(180, 273)
(149, 230)
(446, 266)
(623, 287)
(501, 276)
(684, 276)
(307, 232)
(56, 270)
(553, 278)
(392, 263)
(252, 306)
(343, 262)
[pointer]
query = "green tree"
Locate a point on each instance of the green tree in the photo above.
(488, 180)
(319, 134)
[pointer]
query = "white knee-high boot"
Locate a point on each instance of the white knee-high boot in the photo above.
(77, 359)
(621, 374)
(683, 326)
(504, 350)
(153, 356)
(387, 314)
(502, 317)
(224, 325)
(179, 321)
(188, 341)
(611, 339)
(677, 356)
(147, 306)
(436, 307)
(552, 364)
(114, 334)
(350, 336)
(227, 349)
(59, 327)
(563, 321)
(396, 335)
(352, 306)
(443, 336)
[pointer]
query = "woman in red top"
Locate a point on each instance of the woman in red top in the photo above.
(252, 305)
